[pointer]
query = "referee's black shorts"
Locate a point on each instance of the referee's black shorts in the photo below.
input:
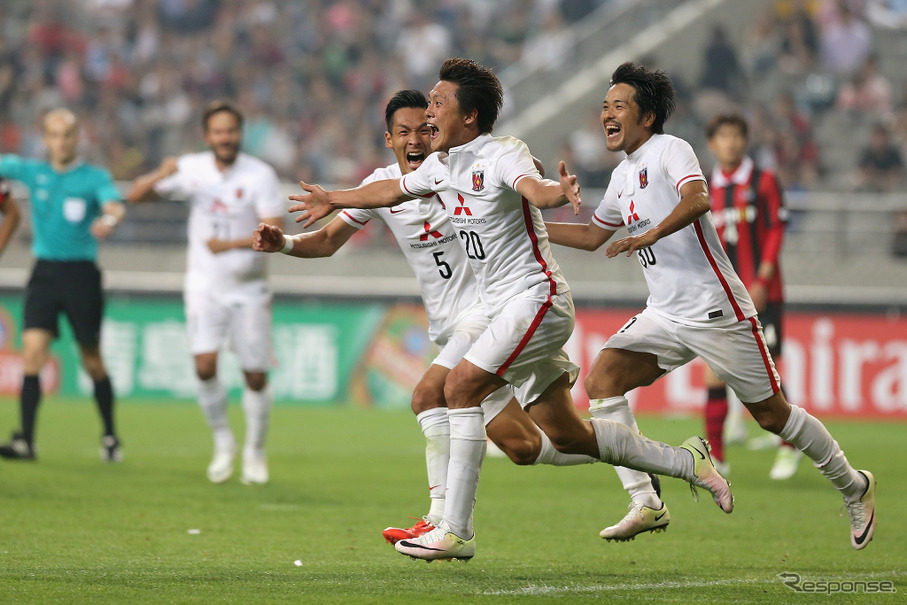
(70, 287)
(770, 318)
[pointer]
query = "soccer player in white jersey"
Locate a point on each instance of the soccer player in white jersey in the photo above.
(697, 304)
(492, 191)
(226, 293)
(450, 294)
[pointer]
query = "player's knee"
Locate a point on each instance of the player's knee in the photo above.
(205, 371)
(33, 361)
(427, 398)
(771, 418)
(256, 381)
(458, 389)
(598, 385)
(94, 367)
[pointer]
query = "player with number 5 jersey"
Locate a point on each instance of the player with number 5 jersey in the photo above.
(532, 313)
(450, 294)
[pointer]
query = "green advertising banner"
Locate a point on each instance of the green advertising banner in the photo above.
(369, 354)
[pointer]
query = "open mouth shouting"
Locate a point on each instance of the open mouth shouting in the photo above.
(414, 159)
(612, 131)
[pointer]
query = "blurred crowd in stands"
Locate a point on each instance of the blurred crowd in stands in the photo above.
(310, 75)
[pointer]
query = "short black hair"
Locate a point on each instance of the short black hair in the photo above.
(727, 119)
(478, 89)
(217, 107)
(403, 99)
(654, 91)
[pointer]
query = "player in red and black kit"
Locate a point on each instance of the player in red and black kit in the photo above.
(10, 211)
(748, 211)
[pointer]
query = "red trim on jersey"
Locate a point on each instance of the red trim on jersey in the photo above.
(697, 177)
(349, 216)
(408, 192)
(606, 224)
(517, 179)
(534, 238)
(760, 342)
(536, 322)
(718, 273)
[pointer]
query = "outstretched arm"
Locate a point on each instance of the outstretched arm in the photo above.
(694, 202)
(546, 193)
(143, 188)
(319, 203)
(217, 246)
(318, 244)
(576, 235)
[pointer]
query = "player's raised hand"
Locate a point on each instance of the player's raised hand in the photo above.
(267, 238)
(570, 186)
(313, 206)
(169, 165)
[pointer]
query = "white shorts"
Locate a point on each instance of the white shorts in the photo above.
(245, 325)
(468, 327)
(522, 344)
(496, 402)
(736, 353)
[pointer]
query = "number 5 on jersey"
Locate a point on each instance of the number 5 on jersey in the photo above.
(445, 269)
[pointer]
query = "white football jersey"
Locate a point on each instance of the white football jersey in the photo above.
(424, 234)
(690, 278)
(224, 205)
(502, 234)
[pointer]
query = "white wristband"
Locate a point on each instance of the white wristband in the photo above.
(109, 220)
(288, 242)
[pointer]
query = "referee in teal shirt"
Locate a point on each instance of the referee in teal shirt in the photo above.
(73, 205)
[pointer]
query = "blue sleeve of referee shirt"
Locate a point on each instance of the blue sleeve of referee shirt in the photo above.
(105, 190)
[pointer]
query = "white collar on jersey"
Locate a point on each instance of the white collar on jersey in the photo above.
(741, 176)
(632, 165)
(479, 140)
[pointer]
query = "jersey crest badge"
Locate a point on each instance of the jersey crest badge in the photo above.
(644, 177)
(239, 193)
(478, 180)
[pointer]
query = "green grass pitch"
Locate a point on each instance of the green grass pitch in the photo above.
(75, 530)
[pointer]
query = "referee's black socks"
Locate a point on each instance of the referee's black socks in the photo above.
(103, 393)
(29, 399)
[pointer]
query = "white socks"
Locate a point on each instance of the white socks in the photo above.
(618, 444)
(549, 455)
(637, 483)
(212, 397)
(812, 438)
(467, 450)
(257, 408)
(436, 428)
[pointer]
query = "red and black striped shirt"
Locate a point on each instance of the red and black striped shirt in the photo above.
(748, 211)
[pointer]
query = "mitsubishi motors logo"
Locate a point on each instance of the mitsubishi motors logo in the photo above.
(462, 208)
(632, 216)
(429, 231)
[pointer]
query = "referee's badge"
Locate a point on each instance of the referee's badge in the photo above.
(478, 180)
